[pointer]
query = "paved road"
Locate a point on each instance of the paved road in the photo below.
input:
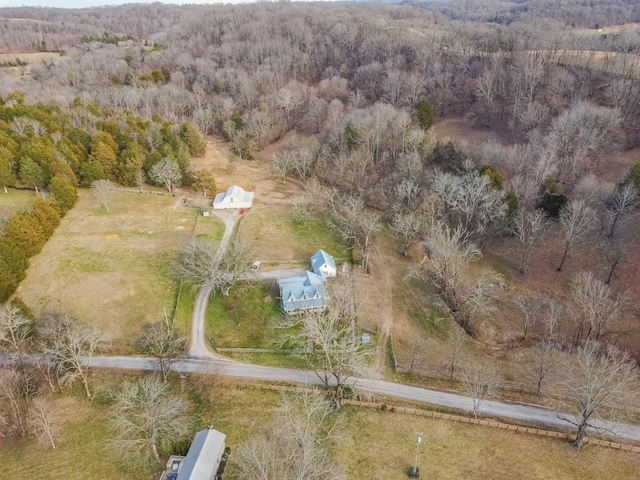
(224, 366)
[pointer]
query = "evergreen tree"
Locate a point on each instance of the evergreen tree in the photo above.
(64, 194)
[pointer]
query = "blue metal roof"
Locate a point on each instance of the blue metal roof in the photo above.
(321, 258)
(306, 292)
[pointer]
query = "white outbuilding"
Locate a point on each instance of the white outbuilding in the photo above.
(234, 197)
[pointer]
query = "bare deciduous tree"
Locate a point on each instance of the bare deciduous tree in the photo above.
(456, 344)
(103, 191)
(541, 364)
(530, 305)
(596, 378)
(147, 414)
(479, 380)
(596, 306)
(15, 329)
(17, 387)
(576, 220)
(406, 226)
(166, 173)
(473, 201)
(295, 448)
(69, 344)
(620, 203)
(161, 340)
(203, 264)
(355, 224)
(41, 422)
(449, 254)
(529, 228)
(328, 341)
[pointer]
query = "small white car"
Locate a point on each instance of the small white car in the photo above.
(255, 266)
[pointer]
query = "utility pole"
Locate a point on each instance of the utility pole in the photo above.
(414, 471)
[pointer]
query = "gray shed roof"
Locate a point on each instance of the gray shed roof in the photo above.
(202, 461)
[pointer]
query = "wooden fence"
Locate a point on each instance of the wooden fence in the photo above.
(445, 416)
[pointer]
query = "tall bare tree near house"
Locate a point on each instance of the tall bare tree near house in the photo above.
(529, 227)
(480, 381)
(146, 415)
(166, 173)
(103, 191)
(15, 329)
(295, 447)
(597, 305)
(69, 344)
(161, 341)
(596, 378)
(203, 264)
(355, 224)
(328, 342)
(576, 220)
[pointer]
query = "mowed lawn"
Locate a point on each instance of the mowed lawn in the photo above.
(278, 238)
(371, 444)
(16, 200)
(112, 269)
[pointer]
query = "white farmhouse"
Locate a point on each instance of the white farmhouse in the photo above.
(234, 197)
(323, 264)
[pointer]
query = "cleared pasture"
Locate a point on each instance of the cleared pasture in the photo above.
(449, 450)
(111, 269)
(278, 238)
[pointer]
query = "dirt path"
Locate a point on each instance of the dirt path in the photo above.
(378, 286)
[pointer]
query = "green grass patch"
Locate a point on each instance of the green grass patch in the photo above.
(209, 228)
(243, 318)
(269, 359)
(184, 311)
(277, 237)
(316, 233)
(82, 453)
(16, 200)
(432, 320)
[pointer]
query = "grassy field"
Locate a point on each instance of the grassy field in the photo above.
(111, 269)
(452, 450)
(278, 238)
(210, 228)
(449, 450)
(243, 319)
(16, 200)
